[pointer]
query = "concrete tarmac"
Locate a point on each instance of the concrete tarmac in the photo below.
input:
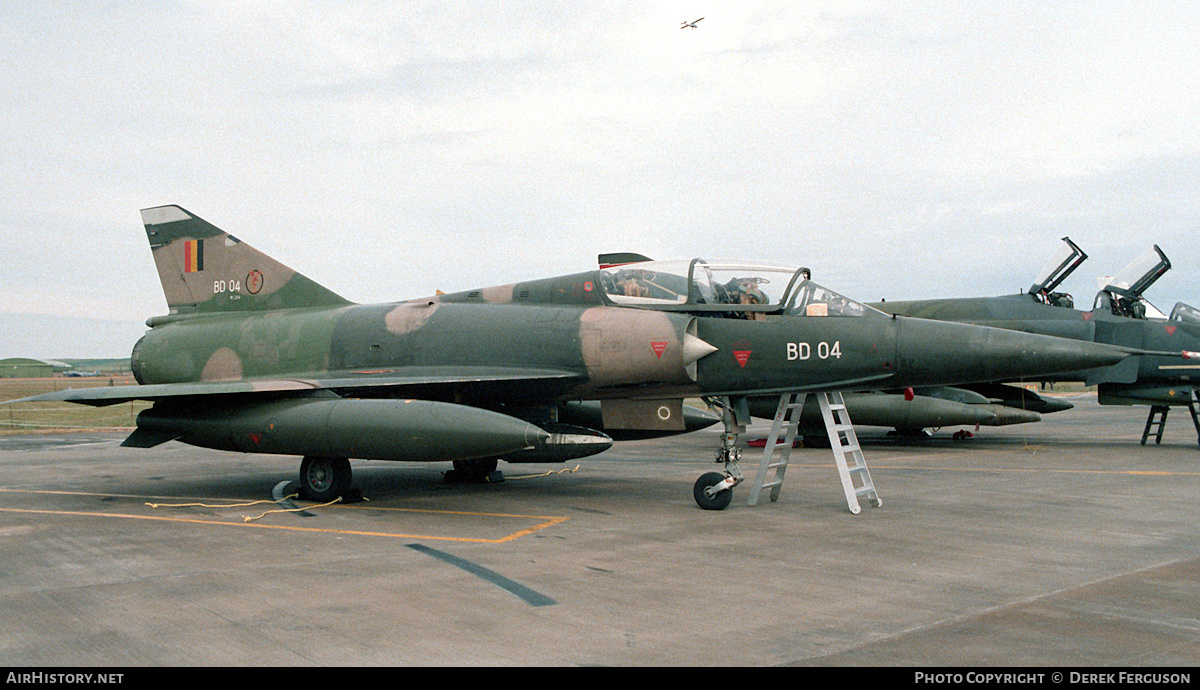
(1063, 543)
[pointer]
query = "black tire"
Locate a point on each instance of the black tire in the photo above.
(717, 502)
(324, 479)
(475, 471)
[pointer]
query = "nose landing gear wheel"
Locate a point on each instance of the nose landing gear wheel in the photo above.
(324, 479)
(705, 498)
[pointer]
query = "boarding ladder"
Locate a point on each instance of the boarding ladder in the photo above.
(1155, 423)
(1158, 418)
(1193, 403)
(847, 454)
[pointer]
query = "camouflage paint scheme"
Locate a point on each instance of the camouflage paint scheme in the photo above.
(1118, 317)
(248, 323)
(254, 356)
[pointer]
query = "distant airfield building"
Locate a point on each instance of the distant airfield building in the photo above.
(26, 368)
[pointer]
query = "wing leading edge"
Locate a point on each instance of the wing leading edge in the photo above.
(385, 382)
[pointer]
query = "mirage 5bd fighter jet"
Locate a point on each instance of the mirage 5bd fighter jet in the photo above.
(254, 357)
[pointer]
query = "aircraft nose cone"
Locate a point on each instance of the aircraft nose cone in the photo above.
(938, 352)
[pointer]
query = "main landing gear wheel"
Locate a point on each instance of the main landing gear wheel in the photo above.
(324, 479)
(706, 498)
(481, 471)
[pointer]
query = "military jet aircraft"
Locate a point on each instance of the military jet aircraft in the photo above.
(690, 25)
(907, 412)
(1120, 315)
(254, 357)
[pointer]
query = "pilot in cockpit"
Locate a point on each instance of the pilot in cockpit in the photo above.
(1132, 308)
(1056, 299)
(742, 291)
(749, 291)
(629, 285)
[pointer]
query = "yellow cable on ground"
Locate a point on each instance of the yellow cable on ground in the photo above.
(247, 518)
(545, 474)
(220, 505)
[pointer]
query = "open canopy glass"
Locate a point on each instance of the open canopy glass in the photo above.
(1140, 274)
(1056, 270)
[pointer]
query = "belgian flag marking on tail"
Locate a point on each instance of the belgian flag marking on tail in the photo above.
(193, 256)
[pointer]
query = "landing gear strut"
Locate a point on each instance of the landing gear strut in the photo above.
(324, 479)
(714, 490)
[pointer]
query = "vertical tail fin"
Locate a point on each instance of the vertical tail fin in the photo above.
(206, 270)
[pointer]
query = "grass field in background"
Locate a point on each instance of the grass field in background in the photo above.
(58, 416)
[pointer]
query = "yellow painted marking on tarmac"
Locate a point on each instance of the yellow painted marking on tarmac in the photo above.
(547, 521)
(1037, 470)
(92, 493)
(447, 512)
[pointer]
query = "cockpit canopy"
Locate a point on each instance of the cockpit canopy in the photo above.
(1123, 293)
(733, 287)
(1140, 274)
(1058, 268)
(1185, 313)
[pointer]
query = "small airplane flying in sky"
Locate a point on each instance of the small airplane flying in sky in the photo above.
(690, 25)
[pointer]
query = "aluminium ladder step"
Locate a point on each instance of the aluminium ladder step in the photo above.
(851, 464)
(783, 434)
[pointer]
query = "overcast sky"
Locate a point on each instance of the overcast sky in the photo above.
(389, 149)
